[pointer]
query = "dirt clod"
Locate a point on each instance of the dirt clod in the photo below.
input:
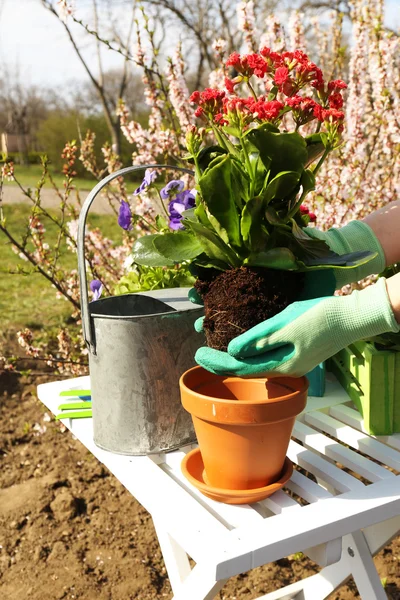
(238, 299)
(64, 507)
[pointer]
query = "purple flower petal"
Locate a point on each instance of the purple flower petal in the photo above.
(176, 185)
(177, 207)
(149, 176)
(97, 288)
(183, 201)
(125, 216)
(175, 224)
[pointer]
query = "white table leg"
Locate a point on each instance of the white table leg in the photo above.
(200, 584)
(362, 568)
(380, 535)
(175, 558)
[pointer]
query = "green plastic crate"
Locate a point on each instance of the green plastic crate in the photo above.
(371, 378)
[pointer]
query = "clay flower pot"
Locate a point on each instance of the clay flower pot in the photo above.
(243, 426)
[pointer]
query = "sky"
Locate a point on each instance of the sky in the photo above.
(33, 43)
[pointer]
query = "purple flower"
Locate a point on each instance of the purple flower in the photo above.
(125, 216)
(182, 202)
(149, 177)
(96, 287)
(176, 185)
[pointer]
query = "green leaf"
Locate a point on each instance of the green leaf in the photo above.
(277, 258)
(311, 247)
(207, 155)
(232, 130)
(145, 253)
(196, 267)
(307, 181)
(250, 223)
(280, 151)
(219, 188)
(273, 217)
(241, 182)
(161, 222)
(281, 186)
(343, 261)
(190, 214)
(213, 246)
(316, 144)
(314, 255)
(179, 246)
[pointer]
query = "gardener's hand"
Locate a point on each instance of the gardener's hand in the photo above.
(304, 334)
(195, 297)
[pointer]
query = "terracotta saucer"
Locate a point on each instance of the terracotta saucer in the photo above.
(193, 468)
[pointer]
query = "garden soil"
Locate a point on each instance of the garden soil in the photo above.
(238, 299)
(69, 530)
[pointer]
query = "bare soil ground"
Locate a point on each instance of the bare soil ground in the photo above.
(69, 530)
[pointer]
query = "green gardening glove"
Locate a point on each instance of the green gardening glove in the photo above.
(354, 237)
(195, 297)
(304, 334)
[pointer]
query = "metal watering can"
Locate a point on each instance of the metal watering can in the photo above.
(139, 345)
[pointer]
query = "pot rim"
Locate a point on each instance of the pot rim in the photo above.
(291, 396)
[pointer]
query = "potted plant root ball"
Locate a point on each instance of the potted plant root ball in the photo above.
(255, 160)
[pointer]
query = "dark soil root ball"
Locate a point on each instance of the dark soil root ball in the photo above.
(238, 299)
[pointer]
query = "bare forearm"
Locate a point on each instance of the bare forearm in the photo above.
(393, 288)
(385, 223)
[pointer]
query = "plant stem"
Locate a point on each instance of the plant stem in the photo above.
(253, 93)
(321, 160)
(162, 204)
(248, 164)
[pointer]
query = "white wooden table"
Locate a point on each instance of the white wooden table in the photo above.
(339, 519)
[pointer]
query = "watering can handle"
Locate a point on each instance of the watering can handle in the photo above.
(86, 325)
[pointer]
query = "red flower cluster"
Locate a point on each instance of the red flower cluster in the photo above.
(305, 211)
(288, 73)
(209, 101)
(264, 110)
(248, 65)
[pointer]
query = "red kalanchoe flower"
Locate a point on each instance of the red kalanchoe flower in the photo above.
(312, 216)
(257, 64)
(335, 100)
(337, 84)
(332, 115)
(210, 94)
(234, 61)
(220, 120)
(319, 112)
(281, 75)
(265, 110)
(230, 85)
(294, 101)
(304, 210)
(300, 56)
(199, 112)
(210, 101)
(195, 97)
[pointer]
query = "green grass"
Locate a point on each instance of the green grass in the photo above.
(30, 301)
(28, 176)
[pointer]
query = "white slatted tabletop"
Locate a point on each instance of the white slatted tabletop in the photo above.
(341, 506)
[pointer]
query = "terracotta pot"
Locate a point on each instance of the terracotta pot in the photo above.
(243, 426)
